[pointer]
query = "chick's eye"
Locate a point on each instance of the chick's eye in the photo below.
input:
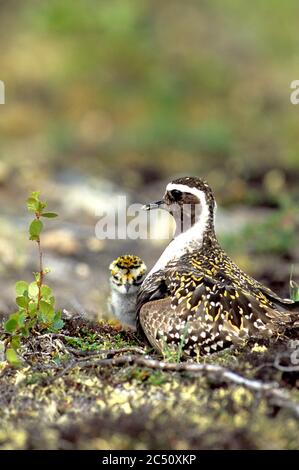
(176, 194)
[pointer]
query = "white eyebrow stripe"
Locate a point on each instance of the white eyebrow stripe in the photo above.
(186, 189)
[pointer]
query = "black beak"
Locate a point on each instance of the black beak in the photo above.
(152, 205)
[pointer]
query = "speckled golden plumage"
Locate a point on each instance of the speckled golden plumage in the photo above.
(203, 302)
(126, 275)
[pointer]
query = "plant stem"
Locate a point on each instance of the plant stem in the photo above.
(41, 273)
(41, 270)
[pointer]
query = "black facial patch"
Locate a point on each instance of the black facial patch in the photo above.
(176, 195)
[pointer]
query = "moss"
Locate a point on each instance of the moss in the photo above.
(259, 349)
(134, 408)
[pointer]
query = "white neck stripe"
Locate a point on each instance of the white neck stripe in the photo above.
(181, 243)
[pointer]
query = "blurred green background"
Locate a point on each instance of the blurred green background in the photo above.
(120, 96)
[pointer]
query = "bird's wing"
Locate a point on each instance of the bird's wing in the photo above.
(153, 288)
(280, 304)
(155, 320)
(211, 313)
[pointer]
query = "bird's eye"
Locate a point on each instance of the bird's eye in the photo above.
(176, 194)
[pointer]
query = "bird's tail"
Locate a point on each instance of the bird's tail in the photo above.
(282, 305)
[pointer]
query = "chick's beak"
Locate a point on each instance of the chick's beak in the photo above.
(152, 205)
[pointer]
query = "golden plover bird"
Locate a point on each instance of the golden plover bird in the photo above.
(196, 297)
(127, 274)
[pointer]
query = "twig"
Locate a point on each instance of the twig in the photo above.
(108, 352)
(271, 391)
(68, 367)
(94, 352)
(54, 335)
(41, 269)
(263, 366)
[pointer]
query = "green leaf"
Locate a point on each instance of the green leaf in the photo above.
(33, 290)
(294, 290)
(41, 206)
(21, 287)
(46, 308)
(31, 323)
(35, 229)
(34, 238)
(21, 319)
(32, 204)
(15, 342)
(46, 291)
(24, 331)
(15, 321)
(35, 195)
(49, 215)
(47, 312)
(32, 309)
(58, 323)
(22, 301)
(12, 357)
(11, 325)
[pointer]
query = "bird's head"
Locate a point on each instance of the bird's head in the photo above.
(190, 201)
(127, 274)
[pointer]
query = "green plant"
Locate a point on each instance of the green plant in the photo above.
(35, 300)
(175, 354)
(294, 290)
(157, 378)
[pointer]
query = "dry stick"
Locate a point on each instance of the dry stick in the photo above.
(94, 352)
(108, 352)
(277, 396)
(68, 367)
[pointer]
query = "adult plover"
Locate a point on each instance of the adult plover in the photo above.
(196, 297)
(127, 274)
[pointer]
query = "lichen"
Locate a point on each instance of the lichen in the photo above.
(132, 407)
